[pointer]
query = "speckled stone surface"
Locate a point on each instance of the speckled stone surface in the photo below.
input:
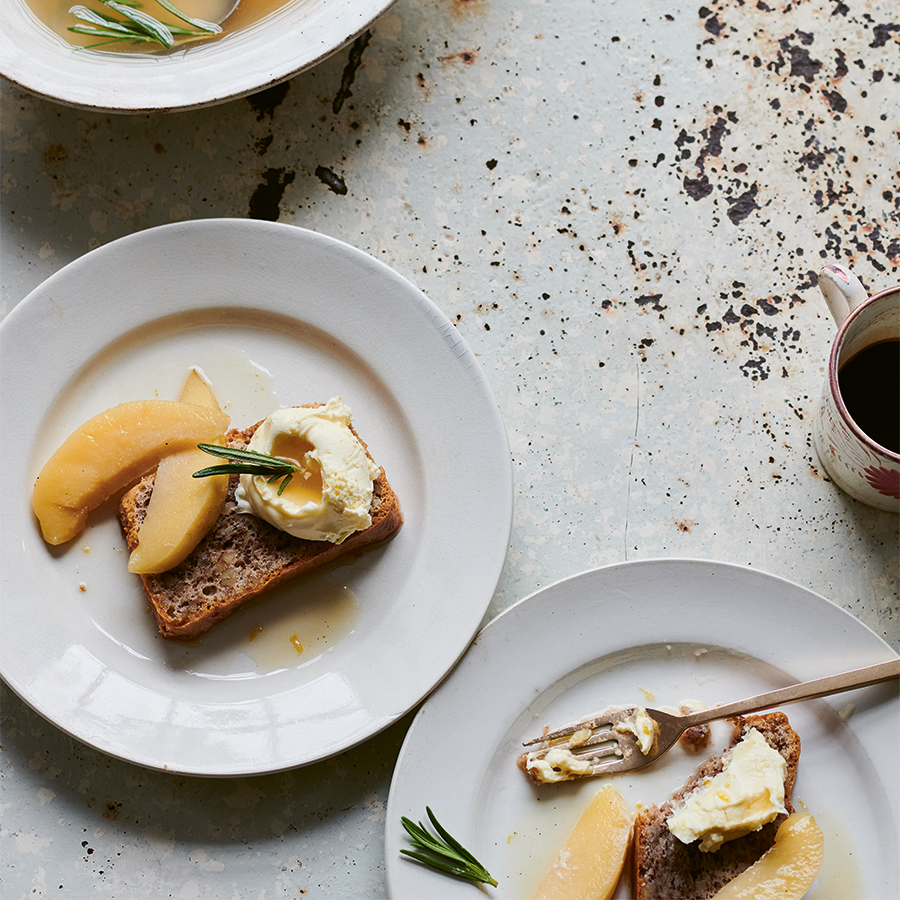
(622, 206)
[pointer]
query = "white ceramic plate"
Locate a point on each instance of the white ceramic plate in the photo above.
(275, 316)
(646, 633)
(286, 42)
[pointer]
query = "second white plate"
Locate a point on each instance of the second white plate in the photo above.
(275, 316)
(655, 633)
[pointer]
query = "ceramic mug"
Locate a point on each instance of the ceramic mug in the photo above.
(856, 461)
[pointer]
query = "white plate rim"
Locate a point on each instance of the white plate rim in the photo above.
(438, 721)
(463, 383)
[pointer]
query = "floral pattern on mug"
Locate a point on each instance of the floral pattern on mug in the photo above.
(849, 463)
(885, 481)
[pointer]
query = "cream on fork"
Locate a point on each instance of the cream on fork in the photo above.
(609, 742)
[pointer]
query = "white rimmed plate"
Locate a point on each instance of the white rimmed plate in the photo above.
(275, 316)
(284, 43)
(646, 633)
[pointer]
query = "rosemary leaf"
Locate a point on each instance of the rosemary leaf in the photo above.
(226, 469)
(145, 22)
(248, 456)
(115, 36)
(283, 485)
(249, 462)
(211, 27)
(451, 841)
(138, 25)
(444, 852)
(101, 20)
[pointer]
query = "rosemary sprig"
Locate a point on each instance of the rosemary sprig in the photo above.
(137, 25)
(443, 853)
(249, 462)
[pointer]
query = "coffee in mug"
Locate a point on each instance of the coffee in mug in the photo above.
(856, 426)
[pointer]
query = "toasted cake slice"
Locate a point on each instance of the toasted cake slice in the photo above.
(664, 868)
(242, 556)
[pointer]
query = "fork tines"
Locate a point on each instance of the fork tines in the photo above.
(609, 719)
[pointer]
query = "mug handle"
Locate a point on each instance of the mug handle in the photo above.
(842, 291)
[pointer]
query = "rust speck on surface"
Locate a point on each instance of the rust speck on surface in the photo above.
(817, 473)
(740, 207)
(467, 57)
(685, 525)
(263, 144)
(423, 85)
(265, 203)
(55, 153)
(265, 102)
(467, 7)
(354, 60)
(112, 811)
(334, 182)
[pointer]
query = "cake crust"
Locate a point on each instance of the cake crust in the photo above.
(666, 869)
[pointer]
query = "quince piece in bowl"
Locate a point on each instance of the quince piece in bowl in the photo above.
(109, 452)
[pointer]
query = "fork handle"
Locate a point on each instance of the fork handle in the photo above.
(808, 690)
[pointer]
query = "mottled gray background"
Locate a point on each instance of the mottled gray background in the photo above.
(622, 206)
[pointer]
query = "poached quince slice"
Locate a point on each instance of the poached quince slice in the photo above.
(109, 452)
(182, 508)
(589, 865)
(787, 869)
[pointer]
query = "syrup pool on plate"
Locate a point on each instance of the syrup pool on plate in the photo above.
(288, 627)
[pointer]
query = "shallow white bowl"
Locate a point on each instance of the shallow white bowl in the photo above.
(286, 42)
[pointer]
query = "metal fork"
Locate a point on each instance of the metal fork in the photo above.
(597, 739)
